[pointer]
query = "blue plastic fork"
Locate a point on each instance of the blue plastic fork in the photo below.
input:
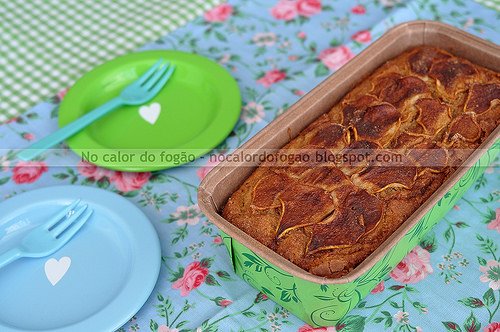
(138, 92)
(49, 237)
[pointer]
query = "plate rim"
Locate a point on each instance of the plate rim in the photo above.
(229, 117)
(136, 279)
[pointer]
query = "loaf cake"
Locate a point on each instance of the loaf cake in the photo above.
(430, 106)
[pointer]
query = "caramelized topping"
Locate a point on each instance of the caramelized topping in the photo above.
(318, 122)
(369, 207)
(377, 122)
(383, 82)
(356, 156)
(421, 61)
(450, 73)
(465, 127)
(295, 163)
(397, 90)
(331, 136)
(430, 156)
(353, 111)
(362, 145)
(433, 115)
(481, 98)
(302, 206)
(371, 120)
(378, 178)
(264, 195)
(360, 214)
(326, 178)
(343, 229)
(407, 140)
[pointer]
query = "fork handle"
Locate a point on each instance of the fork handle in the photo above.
(69, 130)
(9, 256)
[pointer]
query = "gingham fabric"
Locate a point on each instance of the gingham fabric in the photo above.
(495, 4)
(45, 45)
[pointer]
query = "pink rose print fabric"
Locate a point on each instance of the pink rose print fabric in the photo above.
(288, 10)
(494, 224)
(362, 36)
(285, 10)
(336, 57)
(253, 113)
(194, 275)
(189, 215)
(28, 136)
(219, 13)
(413, 268)
(309, 328)
(277, 51)
(308, 8)
(204, 170)
(271, 77)
(28, 171)
(358, 10)
(128, 181)
(493, 327)
(93, 172)
(379, 288)
(123, 181)
(165, 328)
(491, 274)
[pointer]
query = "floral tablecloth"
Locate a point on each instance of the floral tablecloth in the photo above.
(277, 51)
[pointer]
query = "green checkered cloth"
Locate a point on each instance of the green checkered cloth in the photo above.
(495, 4)
(45, 45)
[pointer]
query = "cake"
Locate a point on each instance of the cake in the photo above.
(426, 107)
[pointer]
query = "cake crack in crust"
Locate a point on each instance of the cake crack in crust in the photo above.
(426, 105)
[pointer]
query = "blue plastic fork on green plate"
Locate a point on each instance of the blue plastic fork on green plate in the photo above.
(138, 92)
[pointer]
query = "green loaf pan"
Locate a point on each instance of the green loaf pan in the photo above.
(316, 300)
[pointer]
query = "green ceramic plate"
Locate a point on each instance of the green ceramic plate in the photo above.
(193, 113)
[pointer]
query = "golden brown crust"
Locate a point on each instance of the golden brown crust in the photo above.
(327, 218)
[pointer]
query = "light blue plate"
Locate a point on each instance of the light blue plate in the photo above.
(115, 262)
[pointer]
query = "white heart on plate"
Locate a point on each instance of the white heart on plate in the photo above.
(56, 269)
(150, 113)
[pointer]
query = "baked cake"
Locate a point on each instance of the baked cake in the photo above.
(328, 217)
